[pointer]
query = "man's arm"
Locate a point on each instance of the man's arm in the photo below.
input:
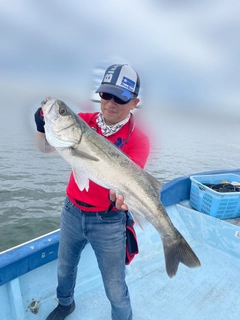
(41, 140)
(42, 143)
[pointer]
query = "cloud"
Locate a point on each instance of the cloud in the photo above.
(186, 53)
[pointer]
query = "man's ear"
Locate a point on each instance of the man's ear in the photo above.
(135, 103)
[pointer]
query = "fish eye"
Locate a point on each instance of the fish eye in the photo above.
(62, 111)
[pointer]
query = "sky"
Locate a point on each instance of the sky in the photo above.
(187, 53)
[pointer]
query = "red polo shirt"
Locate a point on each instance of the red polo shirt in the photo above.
(131, 140)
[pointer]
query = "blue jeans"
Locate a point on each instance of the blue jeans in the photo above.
(107, 236)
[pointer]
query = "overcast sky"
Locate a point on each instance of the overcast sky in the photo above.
(187, 52)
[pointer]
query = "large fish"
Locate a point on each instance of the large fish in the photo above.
(93, 157)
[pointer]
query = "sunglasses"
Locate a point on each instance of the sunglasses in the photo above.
(108, 96)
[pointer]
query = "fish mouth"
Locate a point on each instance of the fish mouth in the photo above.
(48, 104)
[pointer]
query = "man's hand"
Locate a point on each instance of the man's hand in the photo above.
(38, 116)
(120, 205)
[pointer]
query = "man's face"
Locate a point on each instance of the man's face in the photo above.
(114, 112)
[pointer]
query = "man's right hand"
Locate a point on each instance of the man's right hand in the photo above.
(39, 120)
(120, 205)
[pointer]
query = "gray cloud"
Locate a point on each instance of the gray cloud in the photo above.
(186, 53)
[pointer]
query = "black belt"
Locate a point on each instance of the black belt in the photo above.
(105, 213)
(83, 204)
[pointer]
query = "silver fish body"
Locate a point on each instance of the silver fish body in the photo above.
(92, 157)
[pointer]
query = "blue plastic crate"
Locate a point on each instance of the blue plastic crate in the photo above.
(216, 204)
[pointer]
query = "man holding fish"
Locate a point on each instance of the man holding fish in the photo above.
(88, 215)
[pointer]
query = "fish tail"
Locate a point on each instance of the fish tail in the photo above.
(176, 251)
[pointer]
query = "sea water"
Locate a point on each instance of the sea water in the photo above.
(32, 184)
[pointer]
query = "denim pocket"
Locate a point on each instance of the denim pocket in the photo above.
(120, 216)
(68, 204)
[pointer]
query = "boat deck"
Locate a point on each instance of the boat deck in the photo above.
(211, 292)
(208, 292)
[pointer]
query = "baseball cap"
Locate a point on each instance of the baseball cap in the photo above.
(121, 81)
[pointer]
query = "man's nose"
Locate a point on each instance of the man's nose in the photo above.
(111, 101)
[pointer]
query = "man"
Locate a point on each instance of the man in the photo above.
(107, 232)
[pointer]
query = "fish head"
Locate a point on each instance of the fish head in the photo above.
(61, 126)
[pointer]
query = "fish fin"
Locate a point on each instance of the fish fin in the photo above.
(81, 179)
(81, 154)
(177, 251)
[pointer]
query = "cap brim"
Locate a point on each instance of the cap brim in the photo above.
(119, 92)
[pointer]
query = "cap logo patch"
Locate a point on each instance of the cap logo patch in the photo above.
(127, 83)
